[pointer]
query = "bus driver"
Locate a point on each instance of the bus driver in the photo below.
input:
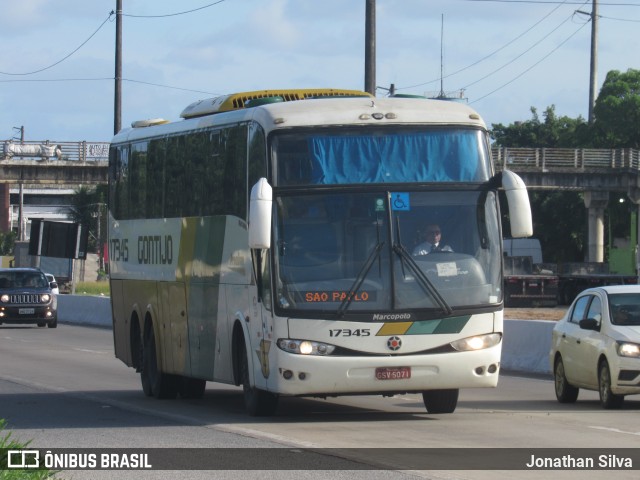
(433, 242)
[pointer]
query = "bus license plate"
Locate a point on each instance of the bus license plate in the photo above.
(26, 311)
(393, 373)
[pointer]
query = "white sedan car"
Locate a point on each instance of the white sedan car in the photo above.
(596, 345)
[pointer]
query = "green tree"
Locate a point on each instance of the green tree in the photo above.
(7, 242)
(88, 207)
(617, 111)
(559, 217)
(553, 131)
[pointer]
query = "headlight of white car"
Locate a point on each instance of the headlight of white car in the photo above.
(626, 349)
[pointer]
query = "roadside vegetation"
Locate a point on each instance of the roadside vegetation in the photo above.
(8, 443)
(93, 288)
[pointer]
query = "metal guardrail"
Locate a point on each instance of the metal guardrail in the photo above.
(48, 150)
(549, 159)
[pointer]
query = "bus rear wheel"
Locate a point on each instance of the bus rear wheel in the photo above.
(441, 401)
(155, 382)
(257, 402)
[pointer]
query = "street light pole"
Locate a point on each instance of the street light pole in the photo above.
(370, 47)
(117, 97)
(593, 71)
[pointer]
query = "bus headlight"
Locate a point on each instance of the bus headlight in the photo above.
(305, 347)
(479, 342)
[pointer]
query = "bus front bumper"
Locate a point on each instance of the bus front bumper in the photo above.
(330, 376)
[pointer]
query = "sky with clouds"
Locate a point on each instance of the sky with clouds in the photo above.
(504, 56)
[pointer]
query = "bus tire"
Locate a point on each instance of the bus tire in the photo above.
(161, 385)
(441, 401)
(257, 402)
(191, 387)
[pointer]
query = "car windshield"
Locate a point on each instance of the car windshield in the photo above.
(625, 308)
(22, 280)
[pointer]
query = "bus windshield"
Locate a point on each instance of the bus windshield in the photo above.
(351, 156)
(356, 252)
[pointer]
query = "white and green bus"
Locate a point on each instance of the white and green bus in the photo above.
(267, 240)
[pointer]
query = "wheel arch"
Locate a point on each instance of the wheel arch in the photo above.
(135, 340)
(239, 338)
(602, 358)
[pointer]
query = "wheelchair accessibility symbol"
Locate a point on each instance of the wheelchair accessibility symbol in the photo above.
(400, 201)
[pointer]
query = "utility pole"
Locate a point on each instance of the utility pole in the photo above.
(593, 72)
(117, 97)
(370, 47)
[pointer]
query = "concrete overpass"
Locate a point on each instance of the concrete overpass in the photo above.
(596, 172)
(46, 163)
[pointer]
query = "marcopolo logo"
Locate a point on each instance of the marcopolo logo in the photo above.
(383, 317)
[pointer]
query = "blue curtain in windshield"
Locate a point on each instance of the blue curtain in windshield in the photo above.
(420, 157)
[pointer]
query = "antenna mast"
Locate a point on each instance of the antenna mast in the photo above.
(441, 95)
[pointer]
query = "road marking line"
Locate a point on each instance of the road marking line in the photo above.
(616, 430)
(102, 352)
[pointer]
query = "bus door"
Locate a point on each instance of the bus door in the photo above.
(263, 334)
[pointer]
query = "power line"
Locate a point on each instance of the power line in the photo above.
(577, 2)
(532, 66)
(619, 19)
(98, 29)
(522, 54)
(173, 14)
(64, 58)
(98, 79)
(130, 80)
(46, 80)
(489, 55)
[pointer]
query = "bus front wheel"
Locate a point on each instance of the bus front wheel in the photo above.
(440, 401)
(258, 403)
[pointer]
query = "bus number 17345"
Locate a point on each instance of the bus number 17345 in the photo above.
(347, 332)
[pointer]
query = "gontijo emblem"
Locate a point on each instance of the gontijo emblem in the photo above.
(394, 343)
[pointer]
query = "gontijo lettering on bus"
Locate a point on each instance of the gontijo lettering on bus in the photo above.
(155, 249)
(144, 248)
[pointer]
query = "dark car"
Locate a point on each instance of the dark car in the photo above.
(26, 297)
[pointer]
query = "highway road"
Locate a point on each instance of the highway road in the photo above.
(63, 388)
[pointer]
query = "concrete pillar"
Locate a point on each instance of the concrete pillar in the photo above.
(5, 224)
(634, 196)
(596, 201)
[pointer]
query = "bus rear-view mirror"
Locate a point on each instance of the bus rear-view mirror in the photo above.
(260, 207)
(519, 206)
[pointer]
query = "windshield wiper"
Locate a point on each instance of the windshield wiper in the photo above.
(362, 274)
(422, 278)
